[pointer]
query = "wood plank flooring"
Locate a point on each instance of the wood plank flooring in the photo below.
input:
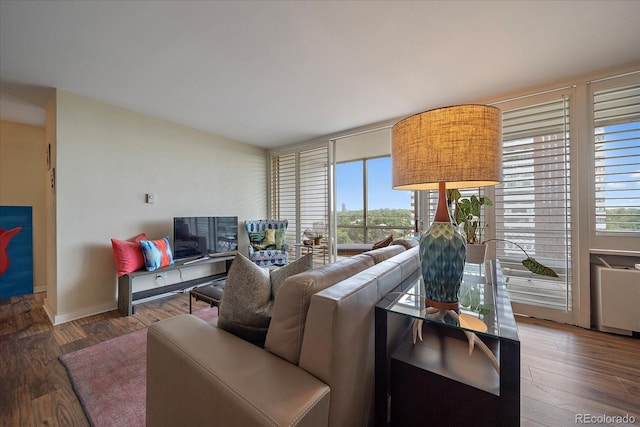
(565, 370)
(34, 387)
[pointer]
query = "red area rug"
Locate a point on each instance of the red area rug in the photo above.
(110, 378)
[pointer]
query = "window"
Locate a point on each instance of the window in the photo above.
(532, 205)
(616, 119)
(368, 209)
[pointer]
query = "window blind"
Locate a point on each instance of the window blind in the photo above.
(532, 205)
(300, 191)
(284, 182)
(314, 191)
(617, 160)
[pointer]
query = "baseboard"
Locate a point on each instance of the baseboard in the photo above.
(68, 317)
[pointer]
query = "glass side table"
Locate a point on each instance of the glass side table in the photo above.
(436, 380)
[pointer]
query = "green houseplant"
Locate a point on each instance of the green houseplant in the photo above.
(466, 213)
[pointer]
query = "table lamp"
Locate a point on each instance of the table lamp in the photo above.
(450, 147)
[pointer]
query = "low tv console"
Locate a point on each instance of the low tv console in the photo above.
(135, 287)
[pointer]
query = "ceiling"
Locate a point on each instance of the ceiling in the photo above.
(274, 73)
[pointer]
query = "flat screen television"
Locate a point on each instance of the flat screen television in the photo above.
(200, 236)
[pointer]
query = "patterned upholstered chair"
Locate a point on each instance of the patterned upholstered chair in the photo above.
(267, 245)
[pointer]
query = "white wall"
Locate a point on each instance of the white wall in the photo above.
(370, 144)
(23, 171)
(107, 159)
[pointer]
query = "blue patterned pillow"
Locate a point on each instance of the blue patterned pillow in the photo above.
(157, 253)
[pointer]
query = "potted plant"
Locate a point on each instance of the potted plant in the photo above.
(466, 213)
(312, 237)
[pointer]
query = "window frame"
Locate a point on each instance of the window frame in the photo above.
(366, 227)
(605, 242)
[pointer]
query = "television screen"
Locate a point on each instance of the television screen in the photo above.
(204, 236)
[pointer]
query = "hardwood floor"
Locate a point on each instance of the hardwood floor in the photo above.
(565, 370)
(34, 387)
(568, 370)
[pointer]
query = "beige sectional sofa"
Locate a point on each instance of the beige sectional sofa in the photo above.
(317, 367)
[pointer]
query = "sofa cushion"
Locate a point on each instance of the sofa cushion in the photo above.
(379, 255)
(407, 242)
(279, 275)
(409, 261)
(284, 337)
(246, 305)
(157, 253)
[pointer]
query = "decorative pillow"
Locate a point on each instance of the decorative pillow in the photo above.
(270, 236)
(279, 235)
(384, 242)
(246, 305)
(278, 276)
(128, 254)
(256, 237)
(157, 253)
(269, 241)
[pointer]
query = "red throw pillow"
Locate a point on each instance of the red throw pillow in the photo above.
(128, 254)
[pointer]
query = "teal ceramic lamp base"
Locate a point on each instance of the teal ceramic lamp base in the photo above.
(443, 252)
(442, 258)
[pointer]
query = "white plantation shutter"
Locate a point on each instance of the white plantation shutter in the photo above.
(532, 204)
(314, 190)
(617, 159)
(300, 191)
(284, 183)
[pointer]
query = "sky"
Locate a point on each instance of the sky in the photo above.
(381, 195)
(623, 185)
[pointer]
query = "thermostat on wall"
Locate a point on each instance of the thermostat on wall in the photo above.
(151, 198)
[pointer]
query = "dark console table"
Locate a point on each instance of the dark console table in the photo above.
(138, 286)
(436, 381)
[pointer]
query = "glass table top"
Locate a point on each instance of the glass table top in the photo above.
(484, 305)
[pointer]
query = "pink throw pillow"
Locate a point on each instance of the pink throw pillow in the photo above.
(128, 254)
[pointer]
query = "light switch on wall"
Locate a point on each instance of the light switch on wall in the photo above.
(151, 198)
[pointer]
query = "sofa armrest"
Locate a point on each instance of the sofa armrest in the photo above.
(198, 374)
